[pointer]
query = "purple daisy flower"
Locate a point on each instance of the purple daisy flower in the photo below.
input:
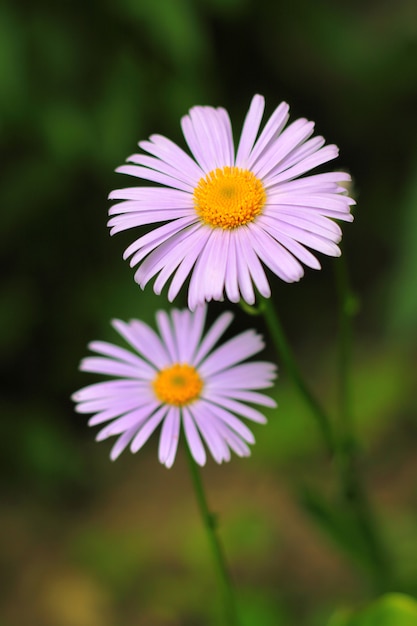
(177, 379)
(228, 215)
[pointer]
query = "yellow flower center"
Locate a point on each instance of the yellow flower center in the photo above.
(178, 384)
(229, 197)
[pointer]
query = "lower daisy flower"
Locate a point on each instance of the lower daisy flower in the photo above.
(178, 379)
(228, 215)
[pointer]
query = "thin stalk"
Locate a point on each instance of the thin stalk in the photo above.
(285, 352)
(347, 457)
(347, 308)
(341, 445)
(210, 525)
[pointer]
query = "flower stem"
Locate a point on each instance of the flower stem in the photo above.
(210, 524)
(284, 350)
(347, 457)
(342, 445)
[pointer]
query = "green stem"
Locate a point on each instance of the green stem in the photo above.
(347, 457)
(343, 448)
(284, 350)
(347, 308)
(209, 521)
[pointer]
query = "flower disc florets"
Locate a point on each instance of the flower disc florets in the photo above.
(178, 385)
(229, 197)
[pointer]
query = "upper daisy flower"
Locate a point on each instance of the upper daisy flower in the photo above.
(226, 215)
(177, 378)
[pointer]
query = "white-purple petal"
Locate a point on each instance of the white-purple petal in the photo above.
(168, 440)
(207, 427)
(327, 153)
(233, 440)
(193, 438)
(274, 159)
(250, 130)
(156, 177)
(142, 407)
(246, 376)
(106, 389)
(217, 329)
(271, 131)
(237, 407)
(145, 341)
(232, 352)
(147, 428)
(232, 422)
(275, 256)
(100, 365)
(183, 271)
(166, 150)
(122, 443)
(247, 396)
(252, 262)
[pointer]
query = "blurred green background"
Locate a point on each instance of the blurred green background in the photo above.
(86, 542)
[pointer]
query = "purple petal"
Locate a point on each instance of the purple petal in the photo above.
(169, 152)
(218, 328)
(145, 341)
(157, 177)
(275, 256)
(168, 441)
(237, 407)
(206, 134)
(233, 351)
(250, 130)
(122, 443)
(269, 134)
(99, 365)
(246, 376)
(206, 425)
(273, 160)
(232, 422)
(193, 438)
(146, 430)
(106, 389)
(247, 396)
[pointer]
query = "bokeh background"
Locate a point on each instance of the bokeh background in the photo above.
(89, 543)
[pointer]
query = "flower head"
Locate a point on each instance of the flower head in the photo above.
(179, 380)
(225, 215)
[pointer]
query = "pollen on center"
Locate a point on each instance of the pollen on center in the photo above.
(179, 384)
(229, 197)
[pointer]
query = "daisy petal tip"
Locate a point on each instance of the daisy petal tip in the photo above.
(83, 366)
(259, 99)
(115, 453)
(75, 397)
(125, 256)
(249, 299)
(200, 459)
(102, 435)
